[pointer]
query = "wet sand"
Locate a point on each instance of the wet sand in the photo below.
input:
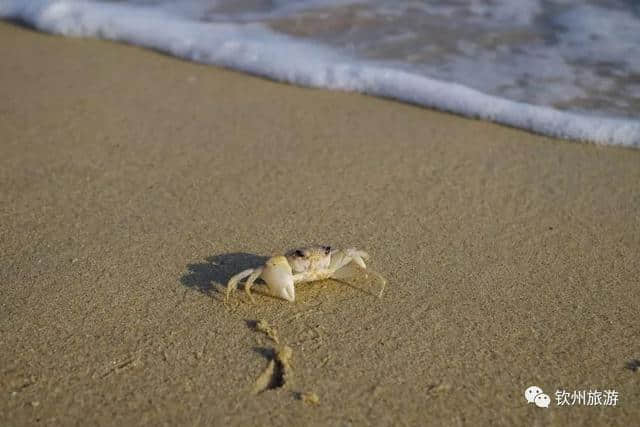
(133, 185)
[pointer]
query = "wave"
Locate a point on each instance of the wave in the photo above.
(256, 49)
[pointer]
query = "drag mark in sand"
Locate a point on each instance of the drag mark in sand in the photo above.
(119, 366)
(309, 397)
(264, 327)
(279, 371)
(633, 365)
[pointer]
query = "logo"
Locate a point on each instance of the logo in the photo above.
(534, 394)
(607, 397)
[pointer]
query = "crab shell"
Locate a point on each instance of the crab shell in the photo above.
(311, 258)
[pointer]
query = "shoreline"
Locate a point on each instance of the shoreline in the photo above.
(268, 54)
(134, 184)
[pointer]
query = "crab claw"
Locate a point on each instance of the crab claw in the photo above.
(279, 277)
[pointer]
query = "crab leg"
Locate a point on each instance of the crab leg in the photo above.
(233, 282)
(252, 278)
(348, 258)
(342, 258)
(382, 280)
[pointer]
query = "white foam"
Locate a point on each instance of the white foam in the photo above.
(256, 49)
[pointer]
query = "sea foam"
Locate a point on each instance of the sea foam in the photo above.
(257, 49)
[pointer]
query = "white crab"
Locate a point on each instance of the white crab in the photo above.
(309, 264)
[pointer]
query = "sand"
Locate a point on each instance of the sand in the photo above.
(134, 184)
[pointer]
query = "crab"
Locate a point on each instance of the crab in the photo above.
(309, 264)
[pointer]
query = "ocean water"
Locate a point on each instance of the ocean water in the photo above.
(564, 68)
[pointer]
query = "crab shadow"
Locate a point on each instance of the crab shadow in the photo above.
(212, 276)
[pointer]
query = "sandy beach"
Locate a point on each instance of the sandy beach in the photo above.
(133, 185)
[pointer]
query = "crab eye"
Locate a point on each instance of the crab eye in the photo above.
(327, 249)
(298, 253)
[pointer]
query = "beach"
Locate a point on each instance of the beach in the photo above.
(134, 184)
